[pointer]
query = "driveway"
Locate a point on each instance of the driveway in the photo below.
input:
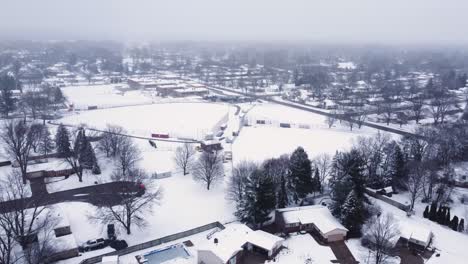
(342, 252)
(110, 193)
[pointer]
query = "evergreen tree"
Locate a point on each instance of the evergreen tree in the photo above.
(353, 214)
(78, 146)
(397, 167)
(62, 141)
(316, 181)
(258, 200)
(347, 175)
(454, 223)
(433, 212)
(96, 170)
(440, 215)
(461, 225)
(283, 200)
(58, 96)
(7, 101)
(46, 144)
(86, 154)
(426, 212)
(300, 174)
(447, 217)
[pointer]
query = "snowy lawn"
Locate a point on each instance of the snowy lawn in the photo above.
(102, 96)
(185, 205)
(260, 143)
(177, 119)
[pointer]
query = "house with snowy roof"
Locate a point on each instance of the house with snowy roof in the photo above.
(415, 235)
(316, 219)
(235, 243)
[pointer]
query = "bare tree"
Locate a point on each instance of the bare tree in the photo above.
(381, 232)
(111, 140)
(134, 203)
(208, 168)
(440, 105)
(24, 217)
(415, 182)
(387, 110)
(42, 250)
(127, 156)
(184, 157)
(240, 174)
(360, 118)
(18, 140)
(7, 244)
(72, 158)
(331, 119)
(323, 163)
(417, 108)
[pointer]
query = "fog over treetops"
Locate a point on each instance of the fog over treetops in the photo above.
(395, 21)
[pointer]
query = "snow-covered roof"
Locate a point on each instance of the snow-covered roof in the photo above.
(419, 233)
(234, 236)
(318, 215)
(110, 259)
(63, 243)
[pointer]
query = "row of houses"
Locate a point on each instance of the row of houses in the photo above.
(163, 87)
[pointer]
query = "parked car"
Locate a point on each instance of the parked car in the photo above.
(118, 244)
(94, 244)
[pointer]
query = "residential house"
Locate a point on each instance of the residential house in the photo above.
(316, 219)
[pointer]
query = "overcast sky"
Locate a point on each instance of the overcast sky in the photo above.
(375, 21)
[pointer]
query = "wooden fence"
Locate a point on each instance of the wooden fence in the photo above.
(388, 200)
(46, 174)
(155, 242)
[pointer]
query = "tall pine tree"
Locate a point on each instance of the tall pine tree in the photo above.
(300, 174)
(258, 201)
(398, 167)
(86, 154)
(353, 214)
(46, 144)
(62, 141)
(316, 181)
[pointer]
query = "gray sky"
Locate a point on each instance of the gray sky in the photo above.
(376, 21)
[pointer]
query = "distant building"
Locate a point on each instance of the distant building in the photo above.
(315, 218)
(183, 92)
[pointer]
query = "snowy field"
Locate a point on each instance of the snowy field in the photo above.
(191, 120)
(260, 142)
(105, 95)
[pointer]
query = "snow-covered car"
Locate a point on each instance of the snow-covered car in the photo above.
(94, 244)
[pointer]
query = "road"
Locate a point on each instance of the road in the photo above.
(95, 195)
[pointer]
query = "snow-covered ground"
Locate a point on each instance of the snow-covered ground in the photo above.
(259, 142)
(185, 204)
(105, 95)
(191, 120)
